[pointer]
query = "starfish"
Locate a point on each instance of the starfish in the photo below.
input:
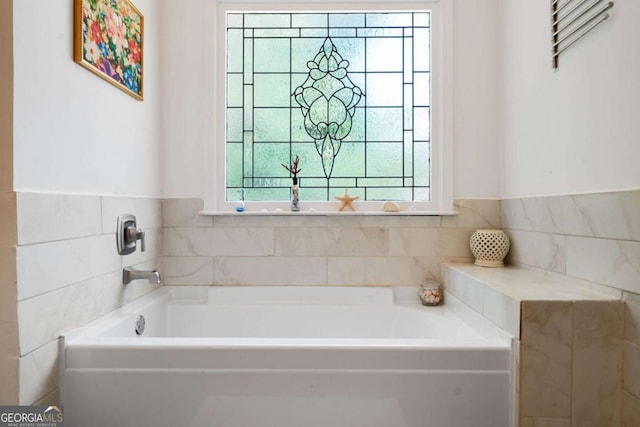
(346, 201)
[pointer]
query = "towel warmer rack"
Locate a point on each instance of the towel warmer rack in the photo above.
(573, 19)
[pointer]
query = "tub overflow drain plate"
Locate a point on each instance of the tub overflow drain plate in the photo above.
(140, 322)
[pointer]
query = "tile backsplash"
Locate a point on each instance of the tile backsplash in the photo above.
(69, 273)
(592, 239)
(314, 250)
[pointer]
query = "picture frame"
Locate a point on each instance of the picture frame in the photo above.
(109, 42)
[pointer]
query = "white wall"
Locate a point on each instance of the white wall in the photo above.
(188, 73)
(184, 80)
(575, 130)
(477, 69)
(74, 132)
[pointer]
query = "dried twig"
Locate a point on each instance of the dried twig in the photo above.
(294, 169)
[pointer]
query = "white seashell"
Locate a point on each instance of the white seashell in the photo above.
(391, 207)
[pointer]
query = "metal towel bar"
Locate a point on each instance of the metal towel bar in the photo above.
(580, 23)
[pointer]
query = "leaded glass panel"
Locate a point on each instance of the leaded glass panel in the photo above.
(347, 92)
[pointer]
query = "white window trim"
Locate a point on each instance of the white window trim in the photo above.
(442, 112)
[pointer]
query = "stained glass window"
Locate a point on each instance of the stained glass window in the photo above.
(347, 92)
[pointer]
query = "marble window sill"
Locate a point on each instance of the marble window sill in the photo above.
(326, 213)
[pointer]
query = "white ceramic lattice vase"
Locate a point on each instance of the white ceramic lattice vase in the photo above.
(489, 247)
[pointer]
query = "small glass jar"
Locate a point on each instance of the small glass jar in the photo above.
(431, 293)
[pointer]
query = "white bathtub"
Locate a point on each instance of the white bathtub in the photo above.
(288, 356)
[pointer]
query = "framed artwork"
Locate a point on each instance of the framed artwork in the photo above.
(108, 41)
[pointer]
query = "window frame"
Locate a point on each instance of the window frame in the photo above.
(441, 93)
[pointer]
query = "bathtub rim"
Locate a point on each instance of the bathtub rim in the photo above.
(402, 296)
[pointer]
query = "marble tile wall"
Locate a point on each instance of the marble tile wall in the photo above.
(568, 341)
(571, 362)
(592, 238)
(314, 250)
(69, 273)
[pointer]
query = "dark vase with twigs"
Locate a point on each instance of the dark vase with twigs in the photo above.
(294, 169)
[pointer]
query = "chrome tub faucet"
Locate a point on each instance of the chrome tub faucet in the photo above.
(129, 274)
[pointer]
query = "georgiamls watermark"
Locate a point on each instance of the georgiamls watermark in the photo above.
(31, 416)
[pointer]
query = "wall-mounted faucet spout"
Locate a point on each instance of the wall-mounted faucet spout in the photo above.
(129, 274)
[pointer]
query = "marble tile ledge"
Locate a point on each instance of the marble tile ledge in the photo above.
(498, 293)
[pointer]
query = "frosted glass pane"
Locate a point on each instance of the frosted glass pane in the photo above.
(384, 124)
(314, 183)
(422, 19)
(275, 32)
(234, 165)
(271, 124)
(408, 154)
(313, 32)
(379, 32)
(380, 182)
(421, 124)
(248, 107)
(421, 49)
(234, 90)
(298, 132)
(234, 50)
(346, 20)
(267, 20)
(271, 55)
(350, 161)
(248, 154)
(421, 172)
(337, 186)
(422, 89)
(307, 193)
(268, 194)
(384, 55)
(272, 90)
(408, 107)
(302, 50)
(389, 19)
(384, 159)
(234, 20)
(384, 90)
(408, 60)
(342, 32)
(353, 51)
(357, 133)
(399, 194)
(309, 159)
(234, 124)
(359, 79)
(422, 194)
(248, 61)
(271, 157)
(309, 20)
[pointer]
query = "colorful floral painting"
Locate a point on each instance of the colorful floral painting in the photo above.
(109, 40)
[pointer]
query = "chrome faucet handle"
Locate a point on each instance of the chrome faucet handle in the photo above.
(134, 234)
(128, 234)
